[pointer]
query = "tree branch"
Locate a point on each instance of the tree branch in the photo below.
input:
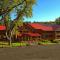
(8, 10)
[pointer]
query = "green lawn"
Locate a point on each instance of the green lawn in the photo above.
(18, 44)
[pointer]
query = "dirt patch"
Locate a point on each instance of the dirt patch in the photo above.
(49, 52)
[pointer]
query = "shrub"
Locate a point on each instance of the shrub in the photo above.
(45, 41)
(27, 44)
(54, 41)
(39, 43)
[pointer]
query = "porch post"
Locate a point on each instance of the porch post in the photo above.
(28, 38)
(55, 35)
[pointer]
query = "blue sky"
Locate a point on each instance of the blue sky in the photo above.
(45, 10)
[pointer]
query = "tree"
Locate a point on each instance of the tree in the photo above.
(57, 21)
(22, 8)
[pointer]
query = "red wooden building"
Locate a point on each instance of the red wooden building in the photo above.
(2, 31)
(36, 31)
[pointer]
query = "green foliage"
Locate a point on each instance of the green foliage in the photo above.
(54, 41)
(39, 43)
(57, 21)
(7, 22)
(0, 23)
(22, 8)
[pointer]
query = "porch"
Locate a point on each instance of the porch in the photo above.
(29, 37)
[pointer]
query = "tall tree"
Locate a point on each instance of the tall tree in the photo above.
(57, 21)
(22, 8)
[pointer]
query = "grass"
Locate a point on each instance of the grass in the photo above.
(18, 44)
(45, 42)
(4, 44)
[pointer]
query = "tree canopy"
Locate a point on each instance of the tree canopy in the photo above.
(57, 21)
(22, 8)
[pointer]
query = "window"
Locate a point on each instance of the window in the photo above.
(47, 36)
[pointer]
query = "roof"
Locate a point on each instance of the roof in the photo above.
(54, 26)
(2, 27)
(32, 34)
(41, 26)
(29, 34)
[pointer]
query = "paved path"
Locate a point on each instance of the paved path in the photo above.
(50, 52)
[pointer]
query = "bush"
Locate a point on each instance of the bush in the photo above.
(39, 43)
(27, 44)
(54, 41)
(45, 41)
(18, 44)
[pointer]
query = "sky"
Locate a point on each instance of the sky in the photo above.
(45, 10)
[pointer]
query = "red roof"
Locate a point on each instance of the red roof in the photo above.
(56, 27)
(32, 34)
(2, 27)
(29, 34)
(41, 26)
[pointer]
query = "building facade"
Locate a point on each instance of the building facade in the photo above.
(35, 31)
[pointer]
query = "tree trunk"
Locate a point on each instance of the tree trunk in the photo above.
(10, 41)
(9, 38)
